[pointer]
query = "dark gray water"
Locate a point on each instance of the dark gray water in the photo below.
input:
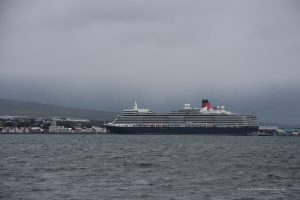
(149, 167)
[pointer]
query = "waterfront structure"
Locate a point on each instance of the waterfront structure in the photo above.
(270, 131)
(15, 130)
(187, 120)
(59, 129)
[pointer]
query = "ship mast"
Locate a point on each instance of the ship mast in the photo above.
(135, 107)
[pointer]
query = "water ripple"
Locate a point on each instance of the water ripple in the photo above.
(148, 167)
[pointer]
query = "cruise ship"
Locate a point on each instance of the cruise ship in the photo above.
(187, 120)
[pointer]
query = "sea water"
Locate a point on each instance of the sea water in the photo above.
(37, 166)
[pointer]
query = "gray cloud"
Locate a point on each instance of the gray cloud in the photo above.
(104, 54)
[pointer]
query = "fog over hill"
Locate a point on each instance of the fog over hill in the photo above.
(31, 109)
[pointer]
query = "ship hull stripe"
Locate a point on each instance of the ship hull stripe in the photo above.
(182, 130)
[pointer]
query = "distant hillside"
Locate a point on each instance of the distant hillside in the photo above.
(31, 109)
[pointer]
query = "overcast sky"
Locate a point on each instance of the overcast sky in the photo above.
(105, 54)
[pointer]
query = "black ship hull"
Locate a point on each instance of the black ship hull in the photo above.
(183, 130)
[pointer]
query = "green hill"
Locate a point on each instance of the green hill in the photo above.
(31, 109)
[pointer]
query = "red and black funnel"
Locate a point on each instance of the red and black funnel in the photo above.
(205, 103)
